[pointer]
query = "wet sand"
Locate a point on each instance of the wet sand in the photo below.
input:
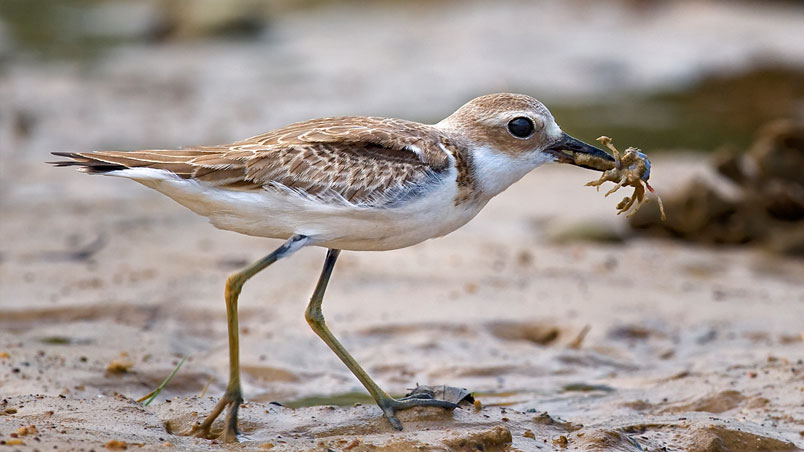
(687, 348)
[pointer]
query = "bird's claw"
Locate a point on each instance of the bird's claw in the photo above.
(231, 402)
(391, 406)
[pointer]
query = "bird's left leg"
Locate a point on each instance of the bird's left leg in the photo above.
(315, 317)
(233, 396)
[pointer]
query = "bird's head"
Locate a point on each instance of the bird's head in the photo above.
(511, 134)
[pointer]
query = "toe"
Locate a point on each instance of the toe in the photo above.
(389, 413)
(414, 401)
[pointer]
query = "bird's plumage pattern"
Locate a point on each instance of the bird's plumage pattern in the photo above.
(358, 160)
(356, 183)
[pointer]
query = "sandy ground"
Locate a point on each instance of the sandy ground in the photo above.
(688, 348)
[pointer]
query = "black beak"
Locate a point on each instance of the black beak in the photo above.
(567, 150)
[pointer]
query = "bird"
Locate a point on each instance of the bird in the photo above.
(356, 183)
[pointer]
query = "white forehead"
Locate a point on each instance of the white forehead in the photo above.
(552, 129)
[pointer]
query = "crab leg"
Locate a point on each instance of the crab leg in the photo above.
(617, 187)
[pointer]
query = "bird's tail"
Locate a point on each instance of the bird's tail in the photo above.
(88, 162)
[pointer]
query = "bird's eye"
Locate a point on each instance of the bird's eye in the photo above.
(521, 127)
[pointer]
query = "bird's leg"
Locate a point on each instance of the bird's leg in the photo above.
(315, 317)
(233, 396)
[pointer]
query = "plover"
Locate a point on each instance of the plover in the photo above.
(347, 183)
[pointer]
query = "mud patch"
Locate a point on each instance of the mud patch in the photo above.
(714, 403)
(496, 439)
(717, 438)
(535, 332)
(759, 199)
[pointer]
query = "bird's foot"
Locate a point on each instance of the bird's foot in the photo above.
(390, 406)
(232, 400)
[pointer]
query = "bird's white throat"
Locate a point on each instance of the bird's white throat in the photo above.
(495, 171)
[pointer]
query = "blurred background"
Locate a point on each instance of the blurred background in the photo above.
(667, 75)
(712, 91)
(702, 76)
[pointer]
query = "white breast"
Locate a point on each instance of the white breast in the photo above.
(278, 214)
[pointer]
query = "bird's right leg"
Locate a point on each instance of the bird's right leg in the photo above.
(233, 396)
(315, 317)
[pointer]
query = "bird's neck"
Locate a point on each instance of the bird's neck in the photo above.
(495, 171)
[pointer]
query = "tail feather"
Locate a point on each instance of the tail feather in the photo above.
(86, 163)
(200, 164)
(105, 161)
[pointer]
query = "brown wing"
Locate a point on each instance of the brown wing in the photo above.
(363, 160)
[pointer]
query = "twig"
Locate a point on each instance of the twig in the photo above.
(153, 394)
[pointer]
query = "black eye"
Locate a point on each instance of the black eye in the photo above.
(520, 127)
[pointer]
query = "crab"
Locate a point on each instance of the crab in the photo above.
(632, 168)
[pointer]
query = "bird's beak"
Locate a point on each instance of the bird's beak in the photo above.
(571, 150)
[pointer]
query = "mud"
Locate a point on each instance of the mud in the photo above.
(756, 197)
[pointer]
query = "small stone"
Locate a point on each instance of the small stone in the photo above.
(22, 431)
(561, 441)
(118, 366)
(116, 445)
(352, 444)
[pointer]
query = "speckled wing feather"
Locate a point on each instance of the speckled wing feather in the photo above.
(359, 160)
